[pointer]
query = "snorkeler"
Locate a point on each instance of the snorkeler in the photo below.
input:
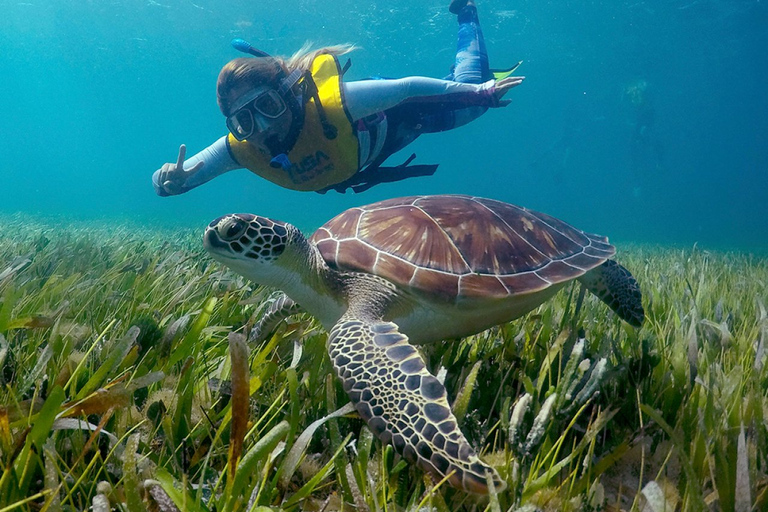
(645, 149)
(295, 122)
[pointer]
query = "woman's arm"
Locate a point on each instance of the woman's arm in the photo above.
(366, 97)
(173, 179)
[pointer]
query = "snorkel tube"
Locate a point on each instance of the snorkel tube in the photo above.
(244, 46)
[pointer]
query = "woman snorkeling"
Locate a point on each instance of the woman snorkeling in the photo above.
(296, 123)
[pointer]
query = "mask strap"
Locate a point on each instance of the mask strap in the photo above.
(287, 83)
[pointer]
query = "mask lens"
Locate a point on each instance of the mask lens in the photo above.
(269, 104)
(241, 124)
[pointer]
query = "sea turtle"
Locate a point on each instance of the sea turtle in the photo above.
(417, 270)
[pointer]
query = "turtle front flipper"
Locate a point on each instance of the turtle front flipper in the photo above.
(615, 286)
(402, 403)
(280, 307)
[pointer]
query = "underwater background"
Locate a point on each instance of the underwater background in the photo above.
(643, 121)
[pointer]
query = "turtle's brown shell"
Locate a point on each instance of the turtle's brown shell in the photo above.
(459, 247)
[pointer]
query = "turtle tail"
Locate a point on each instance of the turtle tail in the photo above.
(614, 285)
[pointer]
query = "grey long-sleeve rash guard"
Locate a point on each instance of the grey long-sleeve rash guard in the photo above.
(362, 98)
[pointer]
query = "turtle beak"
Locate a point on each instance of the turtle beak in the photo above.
(212, 241)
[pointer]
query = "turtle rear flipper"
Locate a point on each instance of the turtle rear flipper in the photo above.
(402, 403)
(614, 285)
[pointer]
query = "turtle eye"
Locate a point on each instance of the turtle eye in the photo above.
(232, 229)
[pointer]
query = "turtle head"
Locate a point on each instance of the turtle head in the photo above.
(258, 248)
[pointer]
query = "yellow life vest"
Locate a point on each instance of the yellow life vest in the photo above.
(316, 162)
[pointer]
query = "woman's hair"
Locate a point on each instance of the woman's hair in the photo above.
(268, 70)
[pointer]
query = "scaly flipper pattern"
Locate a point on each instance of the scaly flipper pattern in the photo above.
(280, 308)
(615, 286)
(402, 403)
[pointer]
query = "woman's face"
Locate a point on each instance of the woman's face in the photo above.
(265, 128)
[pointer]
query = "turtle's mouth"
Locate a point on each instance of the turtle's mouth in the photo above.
(213, 242)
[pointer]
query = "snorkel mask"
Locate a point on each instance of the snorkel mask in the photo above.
(255, 111)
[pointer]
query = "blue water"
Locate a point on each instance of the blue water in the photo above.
(94, 96)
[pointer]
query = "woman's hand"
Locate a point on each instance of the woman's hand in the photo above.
(503, 86)
(172, 177)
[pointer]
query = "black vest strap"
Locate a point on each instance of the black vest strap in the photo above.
(345, 67)
(329, 130)
(375, 174)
